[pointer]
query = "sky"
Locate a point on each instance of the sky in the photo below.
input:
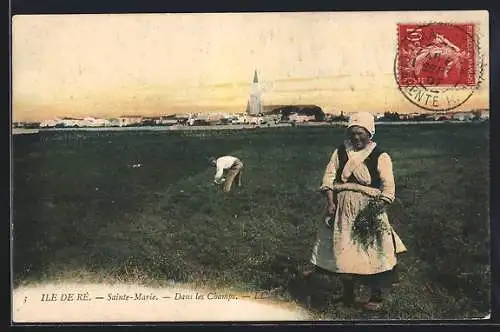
(159, 64)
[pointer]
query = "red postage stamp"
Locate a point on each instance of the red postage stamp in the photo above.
(437, 65)
(436, 55)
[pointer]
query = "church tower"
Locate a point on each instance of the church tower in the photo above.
(254, 105)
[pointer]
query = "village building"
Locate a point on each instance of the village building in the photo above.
(70, 122)
(112, 122)
(300, 118)
(409, 116)
(240, 119)
(49, 123)
(128, 120)
(483, 114)
(92, 122)
(166, 120)
(463, 116)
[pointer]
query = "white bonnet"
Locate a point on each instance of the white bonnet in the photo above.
(363, 119)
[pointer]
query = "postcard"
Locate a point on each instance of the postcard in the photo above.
(307, 166)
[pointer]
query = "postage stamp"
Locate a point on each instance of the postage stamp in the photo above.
(437, 65)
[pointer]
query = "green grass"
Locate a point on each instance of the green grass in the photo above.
(81, 212)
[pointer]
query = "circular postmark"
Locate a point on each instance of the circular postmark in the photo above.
(438, 66)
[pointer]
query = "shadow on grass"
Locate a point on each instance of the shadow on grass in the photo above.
(316, 292)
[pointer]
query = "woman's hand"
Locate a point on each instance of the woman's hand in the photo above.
(380, 205)
(331, 203)
(331, 208)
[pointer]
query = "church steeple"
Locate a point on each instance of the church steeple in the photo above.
(254, 106)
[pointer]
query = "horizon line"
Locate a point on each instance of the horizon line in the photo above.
(228, 112)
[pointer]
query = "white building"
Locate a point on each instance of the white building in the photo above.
(211, 117)
(93, 122)
(294, 117)
(163, 120)
(71, 122)
(128, 120)
(240, 119)
(49, 123)
(112, 122)
(275, 118)
(256, 120)
(463, 116)
(484, 114)
(433, 116)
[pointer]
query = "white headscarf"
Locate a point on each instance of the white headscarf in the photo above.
(363, 119)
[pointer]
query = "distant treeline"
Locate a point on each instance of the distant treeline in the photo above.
(309, 110)
(395, 116)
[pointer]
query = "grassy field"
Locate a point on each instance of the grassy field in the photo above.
(82, 212)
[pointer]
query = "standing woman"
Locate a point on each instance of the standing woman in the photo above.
(358, 241)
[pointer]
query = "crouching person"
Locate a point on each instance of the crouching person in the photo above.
(233, 167)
